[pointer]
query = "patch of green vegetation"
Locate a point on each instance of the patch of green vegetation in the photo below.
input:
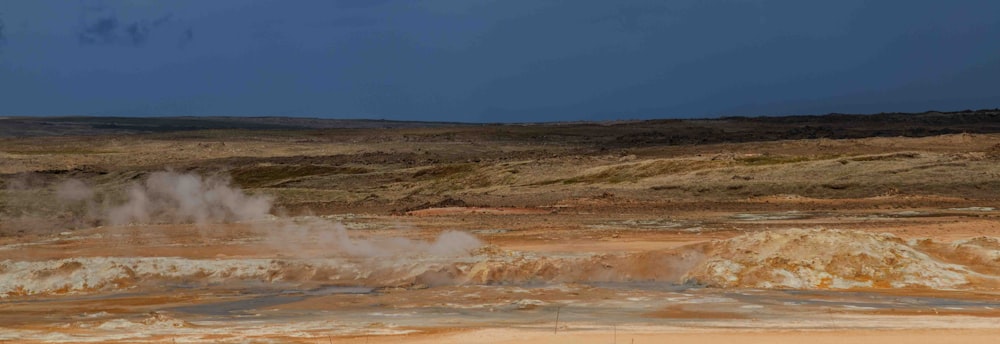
(462, 176)
(637, 171)
(262, 176)
(444, 170)
(764, 160)
(887, 157)
(284, 196)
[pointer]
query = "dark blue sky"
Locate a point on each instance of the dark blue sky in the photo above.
(504, 60)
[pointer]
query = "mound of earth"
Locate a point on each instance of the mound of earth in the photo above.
(823, 258)
(979, 254)
(95, 274)
(795, 259)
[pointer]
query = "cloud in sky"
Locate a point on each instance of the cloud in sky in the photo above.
(482, 60)
(101, 26)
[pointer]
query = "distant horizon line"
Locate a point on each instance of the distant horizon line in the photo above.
(637, 119)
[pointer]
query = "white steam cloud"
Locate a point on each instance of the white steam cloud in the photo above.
(319, 238)
(74, 190)
(170, 197)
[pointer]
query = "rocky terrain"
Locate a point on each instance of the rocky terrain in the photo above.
(309, 230)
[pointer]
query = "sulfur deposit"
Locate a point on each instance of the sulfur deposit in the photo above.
(823, 258)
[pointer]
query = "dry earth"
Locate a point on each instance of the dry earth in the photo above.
(835, 229)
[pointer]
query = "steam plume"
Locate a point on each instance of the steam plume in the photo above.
(170, 197)
(73, 190)
(318, 238)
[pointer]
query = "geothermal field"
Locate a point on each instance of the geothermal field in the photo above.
(826, 229)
